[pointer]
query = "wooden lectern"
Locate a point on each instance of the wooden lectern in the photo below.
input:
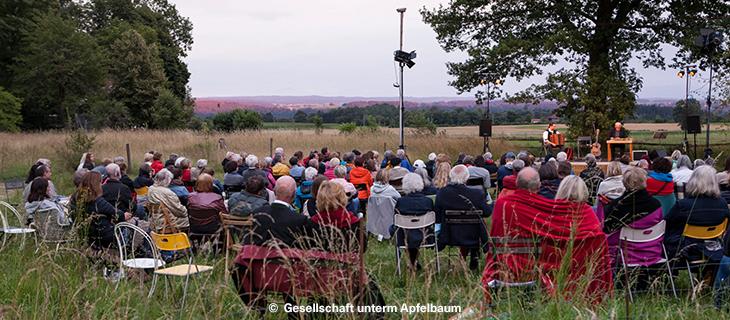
(628, 141)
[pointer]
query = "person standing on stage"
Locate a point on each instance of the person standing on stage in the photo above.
(617, 132)
(551, 130)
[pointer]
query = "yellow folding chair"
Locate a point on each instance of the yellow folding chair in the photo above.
(178, 242)
(701, 233)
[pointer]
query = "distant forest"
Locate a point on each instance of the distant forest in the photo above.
(387, 115)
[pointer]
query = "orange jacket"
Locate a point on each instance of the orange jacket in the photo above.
(359, 176)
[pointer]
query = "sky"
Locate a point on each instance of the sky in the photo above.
(332, 48)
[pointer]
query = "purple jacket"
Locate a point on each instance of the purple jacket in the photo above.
(644, 254)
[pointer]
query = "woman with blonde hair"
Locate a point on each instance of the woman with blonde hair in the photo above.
(332, 207)
(574, 189)
(441, 177)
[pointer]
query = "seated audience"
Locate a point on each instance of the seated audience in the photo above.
(457, 196)
(310, 205)
(142, 183)
(681, 174)
(382, 188)
(232, 180)
(340, 174)
(477, 171)
(362, 179)
(39, 199)
(250, 199)
(280, 168)
(87, 162)
(117, 193)
(431, 165)
(277, 225)
(40, 170)
(329, 171)
(660, 184)
(304, 191)
(176, 215)
(592, 176)
(200, 165)
(558, 226)
(509, 182)
(331, 207)
(178, 186)
(204, 207)
(156, 164)
(251, 169)
(490, 165)
(549, 180)
(505, 168)
(428, 188)
(413, 203)
(296, 171)
(441, 177)
(265, 166)
(612, 187)
(637, 209)
(91, 209)
(702, 206)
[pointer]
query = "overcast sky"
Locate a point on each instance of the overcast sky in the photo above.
(330, 48)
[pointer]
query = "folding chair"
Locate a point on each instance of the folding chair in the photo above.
(380, 211)
(630, 235)
(205, 227)
(701, 233)
(505, 246)
(679, 190)
(15, 184)
(50, 228)
(234, 225)
(176, 242)
(463, 218)
(416, 223)
(8, 229)
(132, 240)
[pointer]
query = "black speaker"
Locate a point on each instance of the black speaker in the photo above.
(693, 124)
(485, 128)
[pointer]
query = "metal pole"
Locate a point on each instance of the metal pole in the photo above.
(400, 86)
(708, 151)
(686, 104)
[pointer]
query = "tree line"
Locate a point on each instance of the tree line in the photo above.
(96, 63)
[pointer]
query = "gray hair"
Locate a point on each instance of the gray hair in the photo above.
(252, 161)
(488, 156)
(528, 179)
(676, 154)
(340, 171)
(590, 160)
(424, 175)
(698, 163)
(119, 160)
(459, 174)
(634, 179)
(684, 161)
(643, 164)
(334, 162)
(310, 173)
(388, 154)
(400, 153)
(279, 151)
(163, 178)
(703, 182)
(561, 156)
(614, 169)
(268, 161)
(236, 158)
(572, 188)
(113, 171)
(518, 165)
(202, 163)
(412, 183)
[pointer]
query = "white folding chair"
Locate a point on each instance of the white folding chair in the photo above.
(8, 229)
(416, 223)
(50, 227)
(131, 238)
(631, 235)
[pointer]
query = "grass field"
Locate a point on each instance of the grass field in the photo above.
(68, 285)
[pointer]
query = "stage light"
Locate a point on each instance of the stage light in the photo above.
(680, 74)
(692, 72)
(405, 57)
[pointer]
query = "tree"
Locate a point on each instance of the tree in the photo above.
(168, 112)
(680, 112)
(17, 19)
(420, 123)
(136, 76)
(318, 126)
(268, 117)
(10, 117)
(596, 38)
(237, 119)
(58, 70)
(300, 116)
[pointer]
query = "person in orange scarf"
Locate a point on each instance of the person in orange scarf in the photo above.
(573, 260)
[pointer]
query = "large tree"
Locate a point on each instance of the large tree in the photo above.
(56, 72)
(17, 19)
(593, 40)
(10, 117)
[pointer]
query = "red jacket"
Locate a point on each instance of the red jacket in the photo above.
(156, 166)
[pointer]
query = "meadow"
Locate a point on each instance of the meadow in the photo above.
(68, 285)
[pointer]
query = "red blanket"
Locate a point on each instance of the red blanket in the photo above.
(573, 261)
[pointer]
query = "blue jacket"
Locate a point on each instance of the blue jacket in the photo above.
(304, 193)
(502, 172)
(702, 211)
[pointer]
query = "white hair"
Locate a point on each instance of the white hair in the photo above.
(561, 156)
(676, 154)
(340, 171)
(163, 178)
(178, 161)
(252, 161)
(703, 182)
(202, 163)
(518, 165)
(334, 162)
(279, 151)
(572, 188)
(698, 163)
(424, 175)
(459, 174)
(236, 157)
(268, 161)
(400, 153)
(488, 156)
(412, 183)
(310, 173)
(432, 156)
(113, 171)
(119, 160)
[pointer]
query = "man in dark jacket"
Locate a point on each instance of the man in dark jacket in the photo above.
(277, 224)
(505, 170)
(116, 192)
(457, 196)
